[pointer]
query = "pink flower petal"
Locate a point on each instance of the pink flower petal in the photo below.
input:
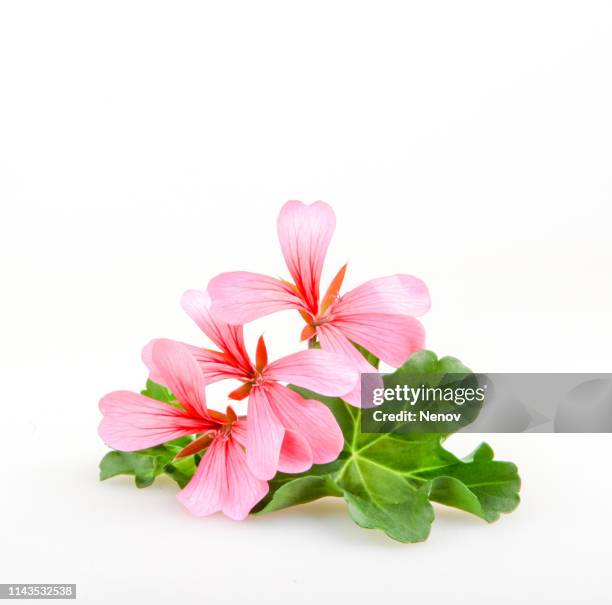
(304, 232)
(325, 372)
(239, 431)
(264, 435)
(392, 338)
(147, 358)
(229, 338)
(207, 491)
(311, 419)
(213, 365)
(296, 453)
(134, 422)
(178, 371)
(394, 295)
(332, 339)
(244, 490)
(240, 297)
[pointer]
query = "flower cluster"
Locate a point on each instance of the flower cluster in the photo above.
(282, 431)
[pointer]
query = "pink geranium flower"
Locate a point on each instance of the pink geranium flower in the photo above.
(223, 481)
(379, 314)
(284, 431)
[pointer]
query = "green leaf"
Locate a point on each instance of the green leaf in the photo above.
(288, 490)
(390, 479)
(157, 391)
(181, 470)
(379, 475)
(477, 484)
(143, 468)
(147, 464)
(407, 520)
(427, 362)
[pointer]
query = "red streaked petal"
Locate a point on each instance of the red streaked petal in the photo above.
(312, 421)
(244, 490)
(322, 371)
(332, 339)
(392, 338)
(295, 454)
(240, 297)
(304, 232)
(178, 371)
(264, 435)
(392, 295)
(134, 422)
(207, 490)
(229, 338)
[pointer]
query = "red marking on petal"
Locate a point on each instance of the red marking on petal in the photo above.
(261, 356)
(291, 287)
(308, 332)
(217, 416)
(231, 415)
(196, 446)
(306, 316)
(241, 392)
(333, 290)
(219, 356)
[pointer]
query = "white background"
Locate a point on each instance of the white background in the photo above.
(145, 147)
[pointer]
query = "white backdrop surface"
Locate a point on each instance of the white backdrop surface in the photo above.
(147, 146)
